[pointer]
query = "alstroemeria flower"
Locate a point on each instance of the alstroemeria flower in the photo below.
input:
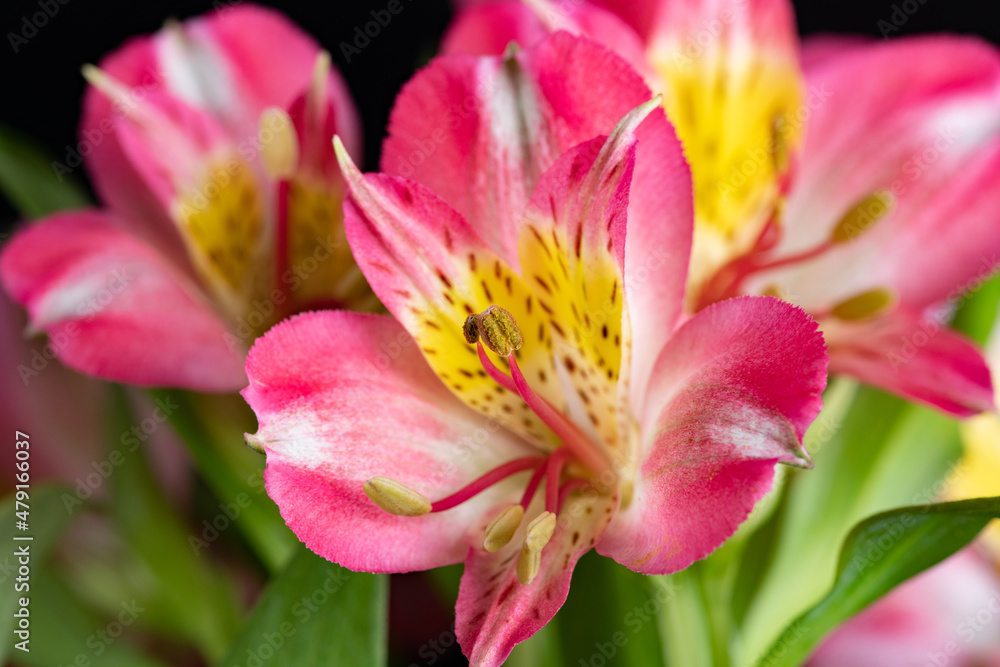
(552, 351)
(859, 180)
(209, 142)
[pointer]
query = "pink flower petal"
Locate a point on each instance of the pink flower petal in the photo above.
(342, 397)
(495, 611)
(913, 117)
(919, 358)
(432, 270)
(451, 131)
(731, 395)
(488, 28)
(113, 307)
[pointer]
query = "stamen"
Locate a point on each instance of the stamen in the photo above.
(552, 474)
(498, 375)
(863, 216)
(502, 528)
(496, 327)
(498, 331)
(540, 531)
(395, 498)
(863, 305)
(533, 483)
(569, 488)
(280, 156)
(489, 479)
(528, 564)
(578, 443)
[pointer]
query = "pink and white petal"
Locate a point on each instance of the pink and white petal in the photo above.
(116, 180)
(877, 109)
(949, 239)
(479, 132)
(917, 358)
(731, 395)
(171, 144)
(431, 270)
(495, 611)
(488, 28)
(342, 397)
(242, 59)
(660, 210)
(115, 308)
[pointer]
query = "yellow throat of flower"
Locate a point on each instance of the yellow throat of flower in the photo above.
(738, 113)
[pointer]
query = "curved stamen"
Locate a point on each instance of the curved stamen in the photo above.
(485, 481)
(498, 375)
(553, 471)
(570, 487)
(574, 440)
(533, 484)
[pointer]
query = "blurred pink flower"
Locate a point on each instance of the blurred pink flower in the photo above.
(948, 616)
(209, 143)
(655, 434)
(857, 179)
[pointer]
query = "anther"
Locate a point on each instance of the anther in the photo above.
(540, 531)
(498, 331)
(863, 216)
(500, 531)
(863, 305)
(470, 329)
(395, 498)
(528, 564)
(280, 156)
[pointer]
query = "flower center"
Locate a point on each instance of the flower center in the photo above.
(497, 329)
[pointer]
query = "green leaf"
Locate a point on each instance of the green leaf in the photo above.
(212, 428)
(879, 554)
(978, 311)
(686, 623)
(610, 614)
(47, 518)
(881, 454)
(314, 614)
(65, 633)
(31, 183)
(188, 590)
